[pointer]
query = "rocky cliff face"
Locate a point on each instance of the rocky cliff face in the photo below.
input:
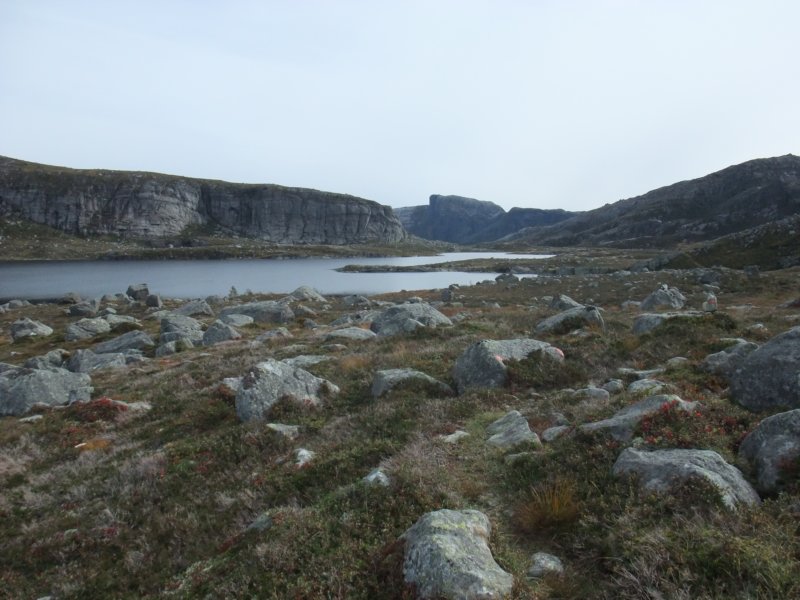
(468, 221)
(734, 199)
(153, 205)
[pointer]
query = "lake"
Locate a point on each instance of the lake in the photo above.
(201, 278)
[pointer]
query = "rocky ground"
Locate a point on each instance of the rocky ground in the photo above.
(612, 435)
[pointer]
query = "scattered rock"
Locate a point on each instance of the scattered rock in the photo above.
(266, 311)
(351, 333)
(664, 297)
(377, 477)
(25, 327)
(70, 298)
(307, 294)
(153, 301)
(563, 302)
(272, 380)
(173, 347)
(236, 320)
(86, 328)
(572, 318)
(614, 386)
(482, 364)
(355, 300)
(87, 308)
(290, 432)
(772, 448)
(447, 556)
(138, 292)
(133, 340)
(303, 457)
(219, 332)
(551, 434)
(768, 377)
(20, 390)
(274, 334)
(305, 360)
(594, 395)
(728, 360)
(195, 307)
(52, 360)
(646, 386)
(386, 380)
(86, 361)
(648, 322)
(710, 304)
(175, 327)
(405, 318)
(511, 431)
(454, 437)
(660, 471)
(543, 564)
(621, 425)
(116, 321)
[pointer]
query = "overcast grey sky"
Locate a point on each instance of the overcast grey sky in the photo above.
(549, 104)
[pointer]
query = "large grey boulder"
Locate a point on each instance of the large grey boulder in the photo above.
(237, 320)
(405, 318)
(86, 328)
(510, 431)
(116, 321)
(771, 447)
(267, 311)
(648, 322)
(87, 308)
(52, 360)
(621, 425)
(447, 556)
(307, 294)
(564, 302)
(273, 380)
(138, 291)
(728, 360)
(86, 361)
(660, 471)
(133, 340)
(351, 333)
(664, 297)
(219, 332)
(482, 365)
(573, 318)
(386, 380)
(175, 327)
(20, 390)
(195, 307)
(770, 376)
(25, 327)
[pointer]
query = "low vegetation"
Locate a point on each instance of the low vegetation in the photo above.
(186, 501)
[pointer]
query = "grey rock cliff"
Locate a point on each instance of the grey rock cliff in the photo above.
(92, 202)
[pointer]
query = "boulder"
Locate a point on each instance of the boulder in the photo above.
(572, 318)
(87, 308)
(20, 390)
(593, 395)
(482, 364)
(385, 381)
(219, 332)
(771, 447)
(648, 322)
(447, 556)
(303, 457)
(307, 294)
(138, 291)
(614, 386)
(153, 301)
(406, 318)
(173, 347)
(646, 386)
(563, 302)
(356, 300)
(511, 431)
(664, 297)
(551, 434)
(237, 320)
(70, 298)
(52, 360)
(769, 377)
(86, 328)
(272, 380)
(133, 340)
(622, 424)
(195, 307)
(376, 477)
(305, 360)
(25, 327)
(267, 311)
(175, 327)
(289, 432)
(274, 334)
(660, 471)
(351, 333)
(728, 360)
(543, 564)
(86, 361)
(116, 321)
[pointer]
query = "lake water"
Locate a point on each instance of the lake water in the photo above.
(201, 278)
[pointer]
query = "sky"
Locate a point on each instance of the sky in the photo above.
(532, 103)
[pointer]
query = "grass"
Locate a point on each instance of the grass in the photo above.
(99, 501)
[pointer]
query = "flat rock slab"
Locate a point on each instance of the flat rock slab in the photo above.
(447, 556)
(306, 360)
(273, 380)
(20, 390)
(133, 340)
(482, 365)
(351, 333)
(86, 361)
(769, 377)
(660, 471)
(267, 311)
(386, 380)
(621, 425)
(771, 447)
(510, 431)
(25, 327)
(573, 318)
(648, 322)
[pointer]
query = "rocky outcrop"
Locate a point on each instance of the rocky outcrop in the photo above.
(447, 556)
(136, 204)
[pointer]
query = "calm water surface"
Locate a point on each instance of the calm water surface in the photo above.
(200, 278)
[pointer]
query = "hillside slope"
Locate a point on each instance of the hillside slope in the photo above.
(151, 205)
